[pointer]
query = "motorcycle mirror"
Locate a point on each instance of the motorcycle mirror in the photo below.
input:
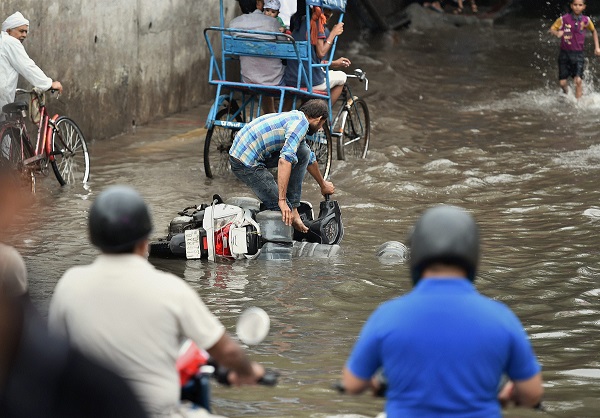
(392, 252)
(253, 326)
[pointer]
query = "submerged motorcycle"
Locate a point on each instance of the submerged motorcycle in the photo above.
(238, 228)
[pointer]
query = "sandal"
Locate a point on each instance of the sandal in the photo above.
(458, 11)
(436, 8)
(474, 8)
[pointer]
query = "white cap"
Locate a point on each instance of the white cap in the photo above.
(272, 4)
(14, 21)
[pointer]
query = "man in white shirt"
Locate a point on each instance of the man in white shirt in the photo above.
(132, 317)
(14, 60)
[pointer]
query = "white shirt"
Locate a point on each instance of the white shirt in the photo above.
(14, 61)
(133, 317)
(287, 9)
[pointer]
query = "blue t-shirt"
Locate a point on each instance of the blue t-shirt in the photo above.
(290, 78)
(443, 348)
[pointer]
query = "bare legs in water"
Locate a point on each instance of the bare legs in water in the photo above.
(564, 84)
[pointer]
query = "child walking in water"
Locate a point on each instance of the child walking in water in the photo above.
(570, 28)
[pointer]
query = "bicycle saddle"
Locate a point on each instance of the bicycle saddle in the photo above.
(15, 107)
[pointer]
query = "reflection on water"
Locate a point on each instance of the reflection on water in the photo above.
(465, 116)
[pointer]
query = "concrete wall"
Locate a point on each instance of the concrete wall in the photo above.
(121, 61)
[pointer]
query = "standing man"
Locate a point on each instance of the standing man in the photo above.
(14, 60)
(133, 317)
(444, 347)
(258, 70)
(279, 141)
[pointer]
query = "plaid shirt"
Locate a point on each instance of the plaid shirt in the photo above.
(272, 133)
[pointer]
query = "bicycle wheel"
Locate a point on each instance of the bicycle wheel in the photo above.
(13, 151)
(217, 143)
(10, 147)
(321, 145)
(354, 141)
(71, 162)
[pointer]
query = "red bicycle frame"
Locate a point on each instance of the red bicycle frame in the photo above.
(44, 137)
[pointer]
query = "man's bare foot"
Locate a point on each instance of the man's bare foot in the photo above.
(299, 225)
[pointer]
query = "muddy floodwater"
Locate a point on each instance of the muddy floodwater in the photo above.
(465, 116)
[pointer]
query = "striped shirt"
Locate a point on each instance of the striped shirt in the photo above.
(269, 134)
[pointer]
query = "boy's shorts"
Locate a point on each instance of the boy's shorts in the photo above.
(570, 64)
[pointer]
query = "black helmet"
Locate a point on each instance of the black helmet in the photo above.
(445, 234)
(119, 219)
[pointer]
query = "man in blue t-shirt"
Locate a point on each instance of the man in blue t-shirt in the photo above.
(444, 348)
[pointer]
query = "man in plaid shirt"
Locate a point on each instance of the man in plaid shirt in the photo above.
(278, 140)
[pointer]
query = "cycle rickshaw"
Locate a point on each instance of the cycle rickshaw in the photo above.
(237, 103)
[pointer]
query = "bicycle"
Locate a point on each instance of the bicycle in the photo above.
(238, 103)
(352, 123)
(60, 142)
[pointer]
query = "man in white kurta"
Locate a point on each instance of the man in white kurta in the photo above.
(131, 316)
(14, 60)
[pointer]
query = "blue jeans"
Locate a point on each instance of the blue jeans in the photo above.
(263, 184)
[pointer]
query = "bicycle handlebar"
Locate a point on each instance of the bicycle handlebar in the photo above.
(36, 91)
(361, 76)
(381, 390)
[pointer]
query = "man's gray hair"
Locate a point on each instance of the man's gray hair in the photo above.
(315, 108)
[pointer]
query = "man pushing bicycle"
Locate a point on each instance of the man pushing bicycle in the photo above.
(14, 61)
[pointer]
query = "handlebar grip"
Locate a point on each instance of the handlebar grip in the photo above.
(380, 393)
(269, 379)
(221, 375)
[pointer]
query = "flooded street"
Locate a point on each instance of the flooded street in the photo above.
(464, 116)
